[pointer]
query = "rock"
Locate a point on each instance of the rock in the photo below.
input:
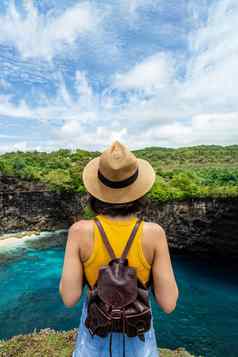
(201, 226)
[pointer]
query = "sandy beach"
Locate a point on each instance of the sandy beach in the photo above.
(16, 239)
(13, 240)
(9, 241)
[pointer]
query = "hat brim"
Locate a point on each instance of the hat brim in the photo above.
(137, 189)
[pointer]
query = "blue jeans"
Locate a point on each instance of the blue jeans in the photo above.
(96, 346)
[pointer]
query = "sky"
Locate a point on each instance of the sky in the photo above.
(81, 74)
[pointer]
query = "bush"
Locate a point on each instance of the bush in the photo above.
(58, 180)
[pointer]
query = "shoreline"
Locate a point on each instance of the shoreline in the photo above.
(14, 240)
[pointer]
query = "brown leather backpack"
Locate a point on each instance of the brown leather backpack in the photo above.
(118, 302)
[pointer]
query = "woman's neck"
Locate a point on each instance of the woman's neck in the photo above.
(119, 218)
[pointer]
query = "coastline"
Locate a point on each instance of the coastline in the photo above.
(10, 241)
(201, 226)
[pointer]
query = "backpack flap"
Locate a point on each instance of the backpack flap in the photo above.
(117, 284)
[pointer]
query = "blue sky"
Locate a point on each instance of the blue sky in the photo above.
(80, 74)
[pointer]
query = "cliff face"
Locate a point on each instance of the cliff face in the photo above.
(199, 225)
(13, 184)
(194, 225)
(38, 210)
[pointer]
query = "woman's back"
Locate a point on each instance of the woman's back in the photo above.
(93, 257)
(118, 232)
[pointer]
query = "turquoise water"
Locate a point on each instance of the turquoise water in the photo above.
(205, 321)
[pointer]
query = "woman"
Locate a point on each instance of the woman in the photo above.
(117, 182)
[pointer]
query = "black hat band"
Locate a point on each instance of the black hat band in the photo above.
(118, 184)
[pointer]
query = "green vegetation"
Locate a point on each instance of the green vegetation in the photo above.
(188, 172)
(51, 343)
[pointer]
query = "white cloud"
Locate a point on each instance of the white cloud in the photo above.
(7, 108)
(78, 136)
(133, 6)
(93, 123)
(148, 105)
(153, 73)
(21, 145)
(212, 73)
(215, 128)
(61, 107)
(206, 98)
(4, 84)
(83, 87)
(133, 11)
(37, 35)
(5, 136)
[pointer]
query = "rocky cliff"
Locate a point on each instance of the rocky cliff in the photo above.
(194, 225)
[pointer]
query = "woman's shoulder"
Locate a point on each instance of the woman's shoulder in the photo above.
(149, 227)
(83, 229)
(153, 235)
(153, 226)
(80, 225)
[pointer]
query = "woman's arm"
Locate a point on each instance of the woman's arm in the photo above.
(70, 287)
(165, 287)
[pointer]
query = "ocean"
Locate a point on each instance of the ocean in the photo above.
(205, 321)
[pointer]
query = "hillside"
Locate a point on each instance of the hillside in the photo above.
(197, 171)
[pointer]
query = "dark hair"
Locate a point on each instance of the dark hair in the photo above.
(116, 209)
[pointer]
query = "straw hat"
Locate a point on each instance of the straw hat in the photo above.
(117, 175)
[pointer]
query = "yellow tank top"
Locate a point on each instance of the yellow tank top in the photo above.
(118, 233)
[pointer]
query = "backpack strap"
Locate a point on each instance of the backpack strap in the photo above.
(131, 238)
(108, 245)
(105, 239)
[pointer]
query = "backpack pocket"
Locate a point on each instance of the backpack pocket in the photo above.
(97, 321)
(138, 324)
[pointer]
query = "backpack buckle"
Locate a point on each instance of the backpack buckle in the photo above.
(140, 333)
(91, 331)
(116, 313)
